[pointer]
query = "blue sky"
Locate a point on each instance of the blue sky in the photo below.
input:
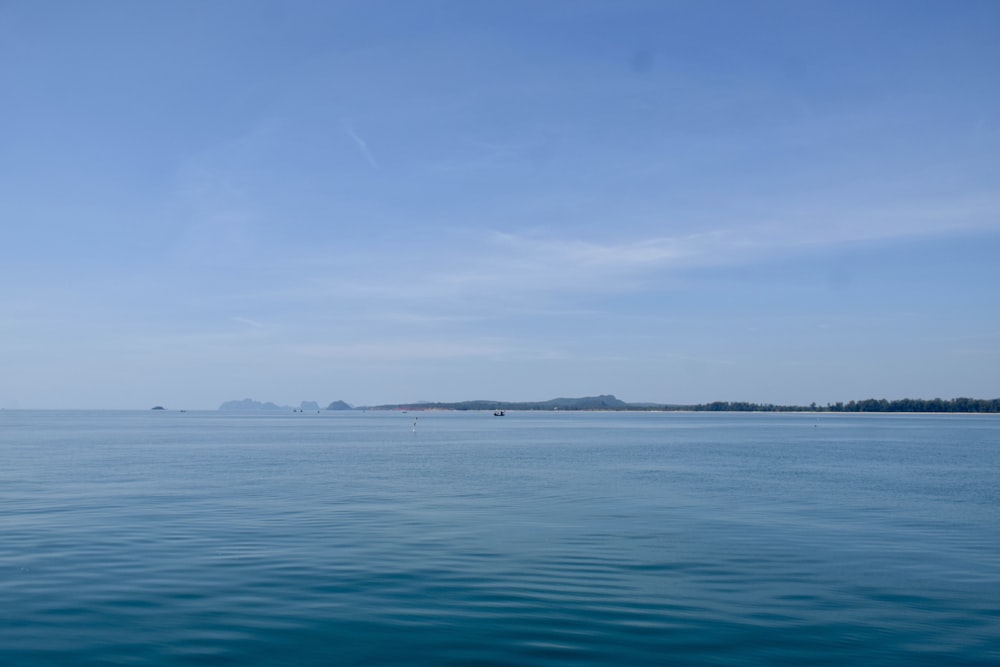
(383, 202)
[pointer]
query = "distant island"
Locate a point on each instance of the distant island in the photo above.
(610, 402)
(248, 405)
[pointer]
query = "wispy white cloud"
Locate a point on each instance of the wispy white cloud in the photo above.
(595, 256)
(362, 145)
(738, 242)
(464, 279)
(253, 324)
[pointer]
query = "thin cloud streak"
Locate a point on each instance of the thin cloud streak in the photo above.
(749, 241)
(362, 145)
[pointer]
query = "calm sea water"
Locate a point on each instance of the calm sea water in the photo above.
(167, 538)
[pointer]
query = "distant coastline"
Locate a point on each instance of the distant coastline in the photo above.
(607, 402)
(955, 405)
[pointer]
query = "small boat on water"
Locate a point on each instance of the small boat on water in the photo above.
(498, 413)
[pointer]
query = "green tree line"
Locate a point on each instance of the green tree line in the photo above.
(867, 405)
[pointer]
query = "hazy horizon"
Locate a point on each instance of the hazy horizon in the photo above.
(383, 202)
(322, 404)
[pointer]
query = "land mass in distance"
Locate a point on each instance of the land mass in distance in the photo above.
(610, 402)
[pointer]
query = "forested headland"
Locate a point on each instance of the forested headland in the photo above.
(610, 402)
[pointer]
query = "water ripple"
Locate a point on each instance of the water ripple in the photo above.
(325, 541)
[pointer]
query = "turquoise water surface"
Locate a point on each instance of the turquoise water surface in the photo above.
(168, 538)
